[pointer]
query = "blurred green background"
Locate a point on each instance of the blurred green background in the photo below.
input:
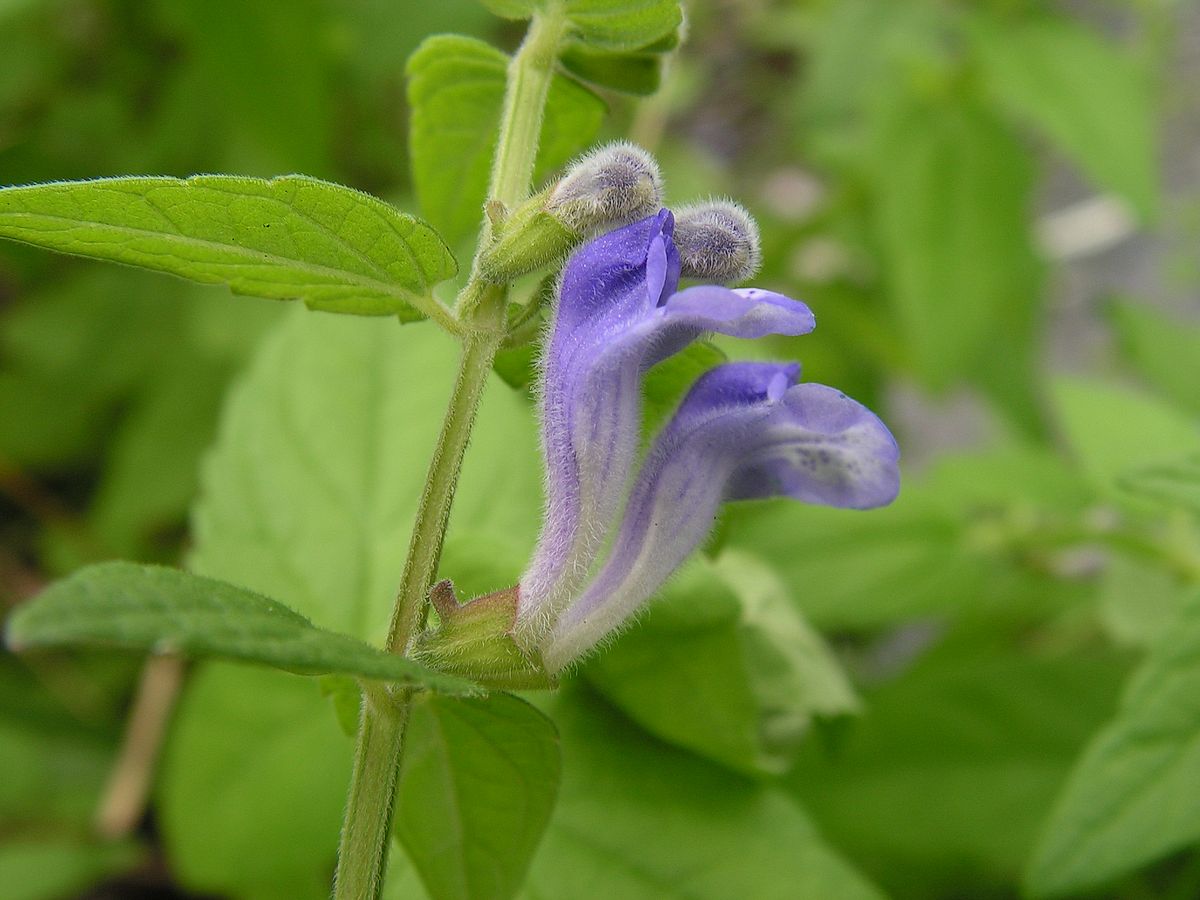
(993, 209)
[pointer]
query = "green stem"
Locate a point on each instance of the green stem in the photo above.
(433, 512)
(529, 75)
(366, 832)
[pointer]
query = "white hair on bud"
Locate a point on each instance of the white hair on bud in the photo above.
(607, 187)
(718, 241)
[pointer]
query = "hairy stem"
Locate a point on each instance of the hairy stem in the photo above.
(529, 75)
(366, 832)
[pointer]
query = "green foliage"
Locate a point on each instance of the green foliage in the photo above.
(54, 764)
(478, 785)
(157, 609)
(624, 25)
(630, 73)
(289, 238)
(311, 490)
(1091, 98)
(953, 233)
(724, 666)
(1174, 483)
(1113, 430)
(610, 25)
(253, 785)
(1130, 797)
(954, 542)
(309, 495)
(456, 89)
(882, 147)
(637, 819)
(1164, 350)
(947, 775)
(60, 867)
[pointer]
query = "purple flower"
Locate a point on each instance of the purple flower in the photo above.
(744, 430)
(618, 314)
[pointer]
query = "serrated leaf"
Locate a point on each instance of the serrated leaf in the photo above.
(289, 238)
(476, 791)
(134, 607)
(954, 187)
(1091, 98)
(456, 89)
(639, 820)
(622, 25)
(723, 665)
(1131, 797)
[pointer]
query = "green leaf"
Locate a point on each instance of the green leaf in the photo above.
(133, 607)
(311, 490)
(270, 71)
(1113, 430)
(1139, 603)
(310, 495)
(456, 89)
(950, 544)
(639, 820)
(723, 665)
(612, 25)
(476, 791)
(1175, 484)
(953, 221)
(253, 785)
(55, 766)
(1163, 349)
(941, 784)
(630, 73)
(1131, 797)
(292, 237)
(623, 25)
(1089, 96)
(152, 463)
(513, 9)
(52, 867)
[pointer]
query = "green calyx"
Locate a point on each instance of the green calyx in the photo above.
(475, 640)
(528, 238)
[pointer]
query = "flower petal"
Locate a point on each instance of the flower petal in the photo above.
(609, 285)
(745, 429)
(618, 315)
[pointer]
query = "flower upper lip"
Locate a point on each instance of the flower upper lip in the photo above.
(619, 312)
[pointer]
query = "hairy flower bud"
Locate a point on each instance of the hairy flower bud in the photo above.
(718, 241)
(610, 186)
